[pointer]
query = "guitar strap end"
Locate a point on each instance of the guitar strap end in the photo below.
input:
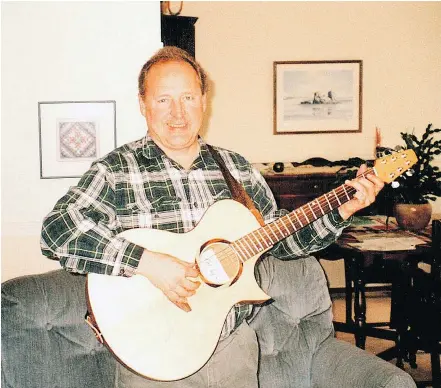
(90, 320)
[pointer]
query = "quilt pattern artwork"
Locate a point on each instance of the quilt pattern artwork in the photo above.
(77, 140)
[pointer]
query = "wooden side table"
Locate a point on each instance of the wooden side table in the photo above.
(381, 256)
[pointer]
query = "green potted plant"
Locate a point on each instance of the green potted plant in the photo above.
(411, 198)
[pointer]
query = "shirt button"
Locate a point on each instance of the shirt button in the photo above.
(195, 204)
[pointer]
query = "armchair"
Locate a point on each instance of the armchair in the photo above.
(46, 343)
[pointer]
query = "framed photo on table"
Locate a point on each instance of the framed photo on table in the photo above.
(73, 134)
(317, 96)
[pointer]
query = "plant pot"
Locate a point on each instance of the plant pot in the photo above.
(412, 217)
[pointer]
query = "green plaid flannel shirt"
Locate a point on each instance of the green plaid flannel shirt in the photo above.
(138, 186)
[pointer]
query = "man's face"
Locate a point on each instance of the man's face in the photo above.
(173, 105)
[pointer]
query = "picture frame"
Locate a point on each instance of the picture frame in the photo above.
(317, 96)
(73, 134)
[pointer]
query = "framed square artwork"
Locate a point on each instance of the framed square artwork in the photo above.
(73, 134)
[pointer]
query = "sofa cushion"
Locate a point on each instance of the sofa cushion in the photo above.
(294, 324)
(45, 341)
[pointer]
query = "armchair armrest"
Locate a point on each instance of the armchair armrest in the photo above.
(338, 364)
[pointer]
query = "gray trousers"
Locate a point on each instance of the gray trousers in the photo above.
(233, 364)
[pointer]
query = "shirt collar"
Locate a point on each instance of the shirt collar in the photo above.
(149, 148)
(151, 151)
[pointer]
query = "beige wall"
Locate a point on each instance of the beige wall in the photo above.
(399, 43)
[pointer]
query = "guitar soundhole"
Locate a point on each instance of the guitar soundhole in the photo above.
(218, 264)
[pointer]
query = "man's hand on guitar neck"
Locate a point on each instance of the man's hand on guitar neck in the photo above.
(170, 275)
(367, 189)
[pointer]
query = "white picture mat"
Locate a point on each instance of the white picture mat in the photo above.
(305, 79)
(103, 113)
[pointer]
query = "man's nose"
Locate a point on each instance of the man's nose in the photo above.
(177, 109)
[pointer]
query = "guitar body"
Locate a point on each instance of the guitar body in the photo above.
(147, 332)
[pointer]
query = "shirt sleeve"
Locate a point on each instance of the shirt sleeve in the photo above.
(81, 231)
(312, 238)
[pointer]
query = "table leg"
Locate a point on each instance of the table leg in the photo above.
(359, 302)
(398, 318)
(348, 291)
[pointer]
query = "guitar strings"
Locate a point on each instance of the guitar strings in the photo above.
(230, 255)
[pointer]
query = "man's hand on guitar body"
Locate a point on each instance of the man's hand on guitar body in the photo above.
(367, 188)
(170, 275)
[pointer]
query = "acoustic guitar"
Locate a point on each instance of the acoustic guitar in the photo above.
(156, 339)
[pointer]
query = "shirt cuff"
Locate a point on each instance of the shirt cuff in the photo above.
(337, 220)
(130, 261)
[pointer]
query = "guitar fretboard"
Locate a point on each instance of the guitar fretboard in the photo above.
(267, 236)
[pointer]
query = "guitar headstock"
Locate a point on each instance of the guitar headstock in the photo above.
(390, 167)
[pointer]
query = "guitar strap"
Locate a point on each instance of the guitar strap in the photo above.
(238, 192)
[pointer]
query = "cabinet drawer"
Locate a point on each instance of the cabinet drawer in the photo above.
(297, 186)
(292, 192)
(291, 202)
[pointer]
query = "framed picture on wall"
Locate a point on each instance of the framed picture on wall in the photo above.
(73, 134)
(317, 96)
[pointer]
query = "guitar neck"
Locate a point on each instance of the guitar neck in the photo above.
(267, 236)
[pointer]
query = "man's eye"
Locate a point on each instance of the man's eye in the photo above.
(162, 100)
(188, 98)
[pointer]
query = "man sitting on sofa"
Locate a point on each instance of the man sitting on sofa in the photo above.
(167, 180)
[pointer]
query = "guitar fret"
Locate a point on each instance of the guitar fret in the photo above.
(347, 196)
(318, 203)
(292, 223)
(312, 210)
(270, 227)
(254, 240)
(307, 219)
(243, 248)
(263, 238)
(336, 196)
(264, 229)
(277, 226)
(283, 223)
(238, 253)
(243, 241)
(298, 219)
(248, 244)
(327, 200)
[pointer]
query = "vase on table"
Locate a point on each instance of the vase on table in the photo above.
(413, 217)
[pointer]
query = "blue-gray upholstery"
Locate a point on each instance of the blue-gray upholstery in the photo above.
(46, 344)
(45, 341)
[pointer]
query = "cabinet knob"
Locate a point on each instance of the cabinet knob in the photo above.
(315, 186)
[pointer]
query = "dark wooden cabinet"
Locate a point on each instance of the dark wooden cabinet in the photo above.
(179, 31)
(292, 191)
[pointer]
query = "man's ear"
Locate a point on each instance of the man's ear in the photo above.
(204, 102)
(141, 105)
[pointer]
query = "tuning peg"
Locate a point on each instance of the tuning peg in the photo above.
(395, 184)
(410, 172)
(383, 151)
(399, 148)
